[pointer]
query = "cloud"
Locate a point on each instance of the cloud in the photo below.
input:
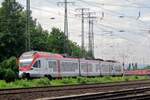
(146, 17)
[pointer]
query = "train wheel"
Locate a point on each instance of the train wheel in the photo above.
(49, 77)
(28, 76)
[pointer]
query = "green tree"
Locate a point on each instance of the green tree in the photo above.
(7, 66)
(39, 39)
(56, 41)
(129, 67)
(12, 31)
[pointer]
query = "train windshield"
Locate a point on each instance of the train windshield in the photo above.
(24, 63)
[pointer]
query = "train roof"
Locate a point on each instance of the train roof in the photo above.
(40, 54)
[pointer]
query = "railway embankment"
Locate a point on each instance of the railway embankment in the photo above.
(57, 91)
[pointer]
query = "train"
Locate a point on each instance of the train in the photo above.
(140, 72)
(35, 64)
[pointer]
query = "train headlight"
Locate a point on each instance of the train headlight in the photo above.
(20, 74)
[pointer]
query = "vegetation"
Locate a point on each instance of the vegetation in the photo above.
(8, 69)
(66, 81)
(147, 67)
(133, 66)
(138, 68)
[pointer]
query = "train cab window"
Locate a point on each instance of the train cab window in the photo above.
(37, 64)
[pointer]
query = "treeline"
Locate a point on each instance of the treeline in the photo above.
(133, 66)
(13, 38)
(136, 67)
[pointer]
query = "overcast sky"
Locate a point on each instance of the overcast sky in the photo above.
(123, 32)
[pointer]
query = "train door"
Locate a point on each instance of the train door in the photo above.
(84, 68)
(113, 69)
(100, 68)
(37, 69)
(90, 69)
(97, 69)
(43, 68)
(105, 68)
(52, 68)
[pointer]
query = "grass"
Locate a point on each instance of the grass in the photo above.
(67, 81)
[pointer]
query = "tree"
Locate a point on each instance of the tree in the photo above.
(8, 69)
(129, 67)
(39, 39)
(12, 31)
(56, 41)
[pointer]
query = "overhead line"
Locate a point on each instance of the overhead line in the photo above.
(117, 5)
(114, 12)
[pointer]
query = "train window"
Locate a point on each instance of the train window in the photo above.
(37, 64)
(69, 66)
(84, 67)
(105, 67)
(52, 64)
(97, 67)
(90, 67)
(27, 63)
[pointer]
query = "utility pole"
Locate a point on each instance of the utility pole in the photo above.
(91, 19)
(28, 36)
(65, 3)
(82, 14)
(92, 34)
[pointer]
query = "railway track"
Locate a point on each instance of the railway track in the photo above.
(41, 92)
(126, 94)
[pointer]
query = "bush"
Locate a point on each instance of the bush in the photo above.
(136, 77)
(9, 75)
(10, 64)
(82, 80)
(2, 73)
(8, 69)
(42, 82)
(126, 79)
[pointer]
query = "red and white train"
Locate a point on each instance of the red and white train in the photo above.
(144, 72)
(35, 64)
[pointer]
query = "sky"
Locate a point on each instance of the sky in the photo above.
(122, 34)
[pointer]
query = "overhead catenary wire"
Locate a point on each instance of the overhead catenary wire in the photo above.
(113, 11)
(51, 11)
(48, 11)
(94, 4)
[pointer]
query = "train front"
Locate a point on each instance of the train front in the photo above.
(25, 63)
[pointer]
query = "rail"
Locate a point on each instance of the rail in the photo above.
(41, 92)
(126, 94)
